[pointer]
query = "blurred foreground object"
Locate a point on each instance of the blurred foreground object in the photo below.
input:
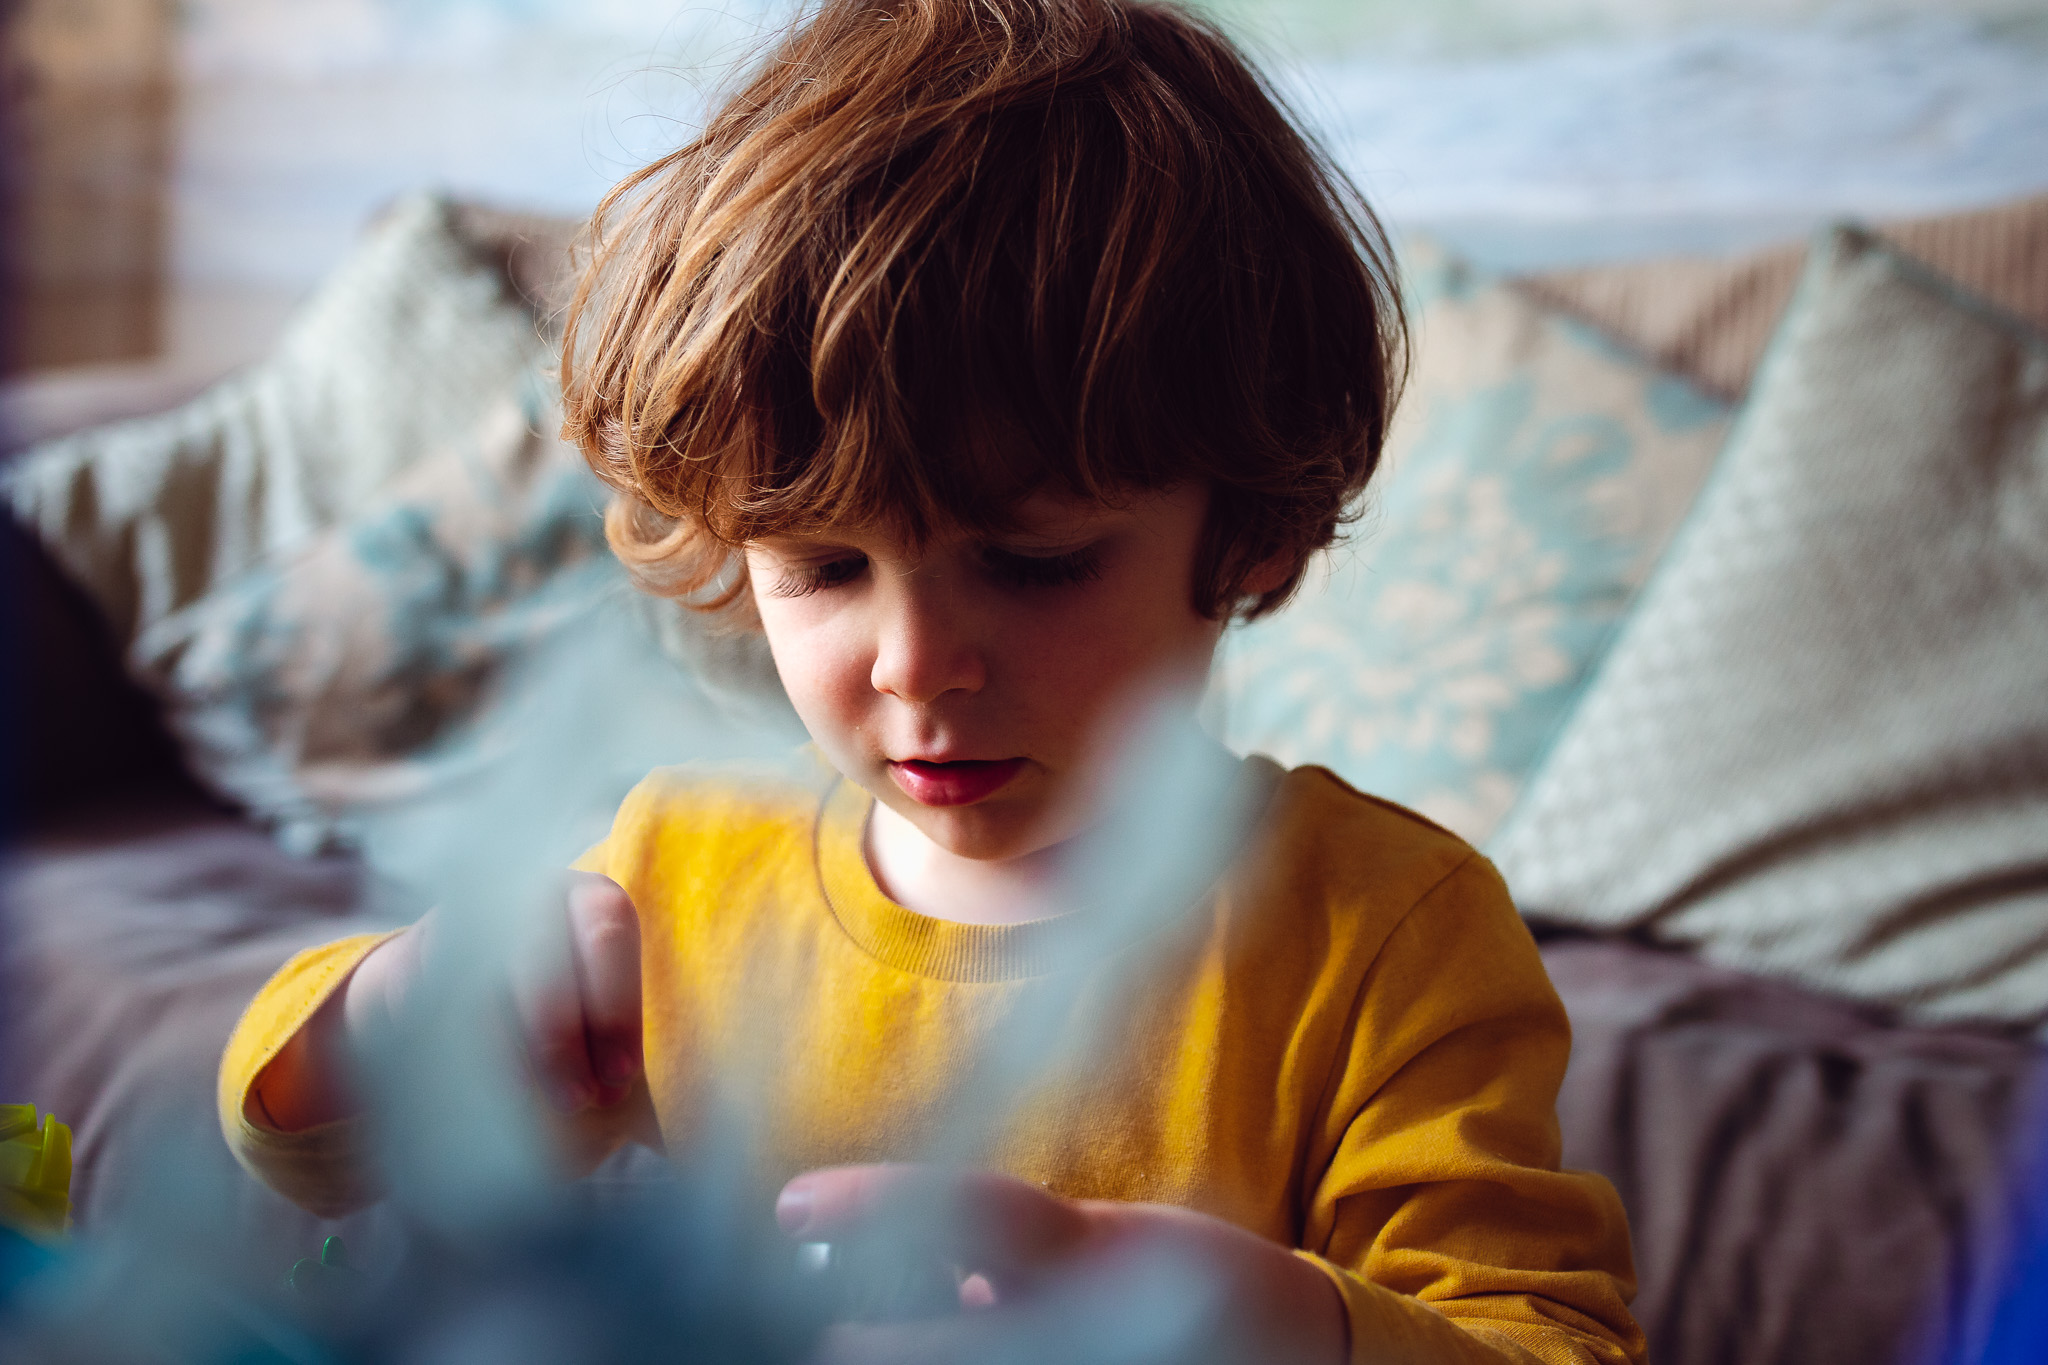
(2019, 1334)
(35, 1171)
(559, 1280)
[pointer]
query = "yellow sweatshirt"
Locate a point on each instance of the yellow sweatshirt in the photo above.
(1352, 1049)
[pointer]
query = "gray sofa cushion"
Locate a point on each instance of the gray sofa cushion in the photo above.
(1819, 746)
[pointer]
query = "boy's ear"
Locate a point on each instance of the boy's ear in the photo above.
(1269, 573)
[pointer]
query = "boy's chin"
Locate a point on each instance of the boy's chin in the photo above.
(987, 832)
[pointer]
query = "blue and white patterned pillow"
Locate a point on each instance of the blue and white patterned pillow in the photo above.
(1534, 472)
(401, 351)
(356, 692)
(309, 683)
(346, 570)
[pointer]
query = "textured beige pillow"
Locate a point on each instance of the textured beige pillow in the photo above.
(1710, 319)
(1819, 745)
(403, 350)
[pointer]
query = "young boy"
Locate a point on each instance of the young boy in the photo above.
(990, 355)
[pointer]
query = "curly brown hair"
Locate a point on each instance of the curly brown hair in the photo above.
(935, 255)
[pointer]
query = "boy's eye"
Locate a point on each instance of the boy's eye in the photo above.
(801, 580)
(1014, 570)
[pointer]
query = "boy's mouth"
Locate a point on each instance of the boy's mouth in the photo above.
(960, 783)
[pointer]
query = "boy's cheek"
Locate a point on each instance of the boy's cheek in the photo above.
(839, 713)
(829, 685)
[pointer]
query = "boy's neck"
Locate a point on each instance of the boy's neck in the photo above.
(919, 875)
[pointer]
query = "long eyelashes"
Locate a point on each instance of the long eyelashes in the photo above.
(802, 580)
(1005, 567)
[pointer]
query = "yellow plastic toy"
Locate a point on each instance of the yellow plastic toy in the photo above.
(35, 1172)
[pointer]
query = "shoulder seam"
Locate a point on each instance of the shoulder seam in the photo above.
(1391, 807)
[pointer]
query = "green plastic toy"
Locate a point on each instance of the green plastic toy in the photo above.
(35, 1172)
(330, 1277)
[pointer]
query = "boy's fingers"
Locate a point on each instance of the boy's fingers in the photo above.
(548, 1005)
(819, 1203)
(551, 1025)
(604, 932)
(984, 1221)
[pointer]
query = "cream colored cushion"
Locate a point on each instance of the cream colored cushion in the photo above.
(1819, 747)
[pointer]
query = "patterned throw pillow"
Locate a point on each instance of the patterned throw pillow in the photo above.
(403, 349)
(304, 686)
(357, 692)
(333, 568)
(1533, 475)
(1819, 747)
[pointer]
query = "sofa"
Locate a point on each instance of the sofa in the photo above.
(1818, 1167)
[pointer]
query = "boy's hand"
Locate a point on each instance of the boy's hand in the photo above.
(1075, 1281)
(575, 997)
(578, 999)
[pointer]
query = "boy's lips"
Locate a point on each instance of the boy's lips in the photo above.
(960, 783)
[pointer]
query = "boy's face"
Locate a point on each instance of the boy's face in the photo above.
(977, 688)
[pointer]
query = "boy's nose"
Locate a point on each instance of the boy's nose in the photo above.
(923, 651)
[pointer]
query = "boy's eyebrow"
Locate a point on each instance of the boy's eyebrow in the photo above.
(1039, 516)
(787, 542)
(1063, 538)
